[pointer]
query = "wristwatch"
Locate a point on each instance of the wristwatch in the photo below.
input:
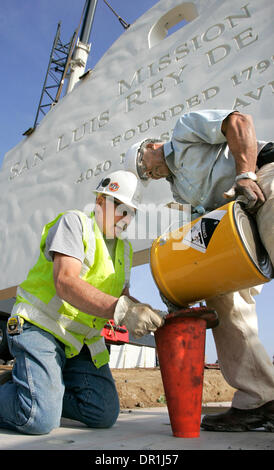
(248, 175)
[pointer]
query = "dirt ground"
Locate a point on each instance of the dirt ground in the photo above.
(143, 388)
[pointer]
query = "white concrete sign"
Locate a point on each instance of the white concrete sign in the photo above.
(222, 58)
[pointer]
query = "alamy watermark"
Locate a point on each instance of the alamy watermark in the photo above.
(149, 222)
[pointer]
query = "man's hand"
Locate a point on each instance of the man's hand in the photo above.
(252, 195)
(248, 192)
(140, 319)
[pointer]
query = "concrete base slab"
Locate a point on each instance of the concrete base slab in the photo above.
(141, 430)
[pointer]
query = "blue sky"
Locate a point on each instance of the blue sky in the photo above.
(27, 30)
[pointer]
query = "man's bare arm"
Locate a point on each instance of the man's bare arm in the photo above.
(71, 288)
(241, 139)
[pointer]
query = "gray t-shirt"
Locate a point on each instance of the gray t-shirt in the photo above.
(66, 237)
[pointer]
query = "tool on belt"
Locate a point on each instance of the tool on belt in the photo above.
(15, 325)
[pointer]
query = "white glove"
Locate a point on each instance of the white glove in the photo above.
(139, 319)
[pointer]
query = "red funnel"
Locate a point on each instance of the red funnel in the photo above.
(181, 352)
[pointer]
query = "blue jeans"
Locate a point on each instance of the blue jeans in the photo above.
(46, 385)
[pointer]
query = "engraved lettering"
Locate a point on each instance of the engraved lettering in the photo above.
(162, 117)
(136, 78)
(103, 118)
(25, 167)
(14, 171)
(157, 88)
(181, 51)
(78, 134)
(240, 103)
(20, 167)
(262, 66)
(141, 127)
(177, 77)
(129, 134)
(243, 16)
(235, 80)
(247, 73)
(92, 125)
(243, 40)
(210, 92)
(165, 136)
(195, 42)
(210, 36)
(37, 159)
(177, 109)
(164, 62)
(116, 140)
(256, 96)
(132, 99)
(60, 144)
(193, 101)
(101, 167)
(152, 71)
(214, 55)
(218, 53)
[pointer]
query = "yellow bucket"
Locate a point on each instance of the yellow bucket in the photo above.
(218, 253)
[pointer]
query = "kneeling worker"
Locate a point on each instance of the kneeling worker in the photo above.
(79, 282)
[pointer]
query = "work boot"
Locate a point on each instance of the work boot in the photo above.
(235, 420)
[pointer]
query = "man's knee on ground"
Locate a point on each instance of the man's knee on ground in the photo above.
(104, 417)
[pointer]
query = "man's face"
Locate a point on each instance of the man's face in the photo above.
(153, 162)
(112, 216)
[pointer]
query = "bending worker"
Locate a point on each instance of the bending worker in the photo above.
(214, 155)
(79, 282)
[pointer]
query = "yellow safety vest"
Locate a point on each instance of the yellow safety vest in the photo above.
(38, 303)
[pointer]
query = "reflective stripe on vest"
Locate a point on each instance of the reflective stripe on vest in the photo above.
(69, 325)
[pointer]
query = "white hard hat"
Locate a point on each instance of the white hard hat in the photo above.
(121, 185)
(130, 161)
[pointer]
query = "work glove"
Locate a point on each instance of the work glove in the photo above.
(139, 319)
(248, 192)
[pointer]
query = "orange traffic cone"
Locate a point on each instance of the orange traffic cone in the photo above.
(180, 345)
